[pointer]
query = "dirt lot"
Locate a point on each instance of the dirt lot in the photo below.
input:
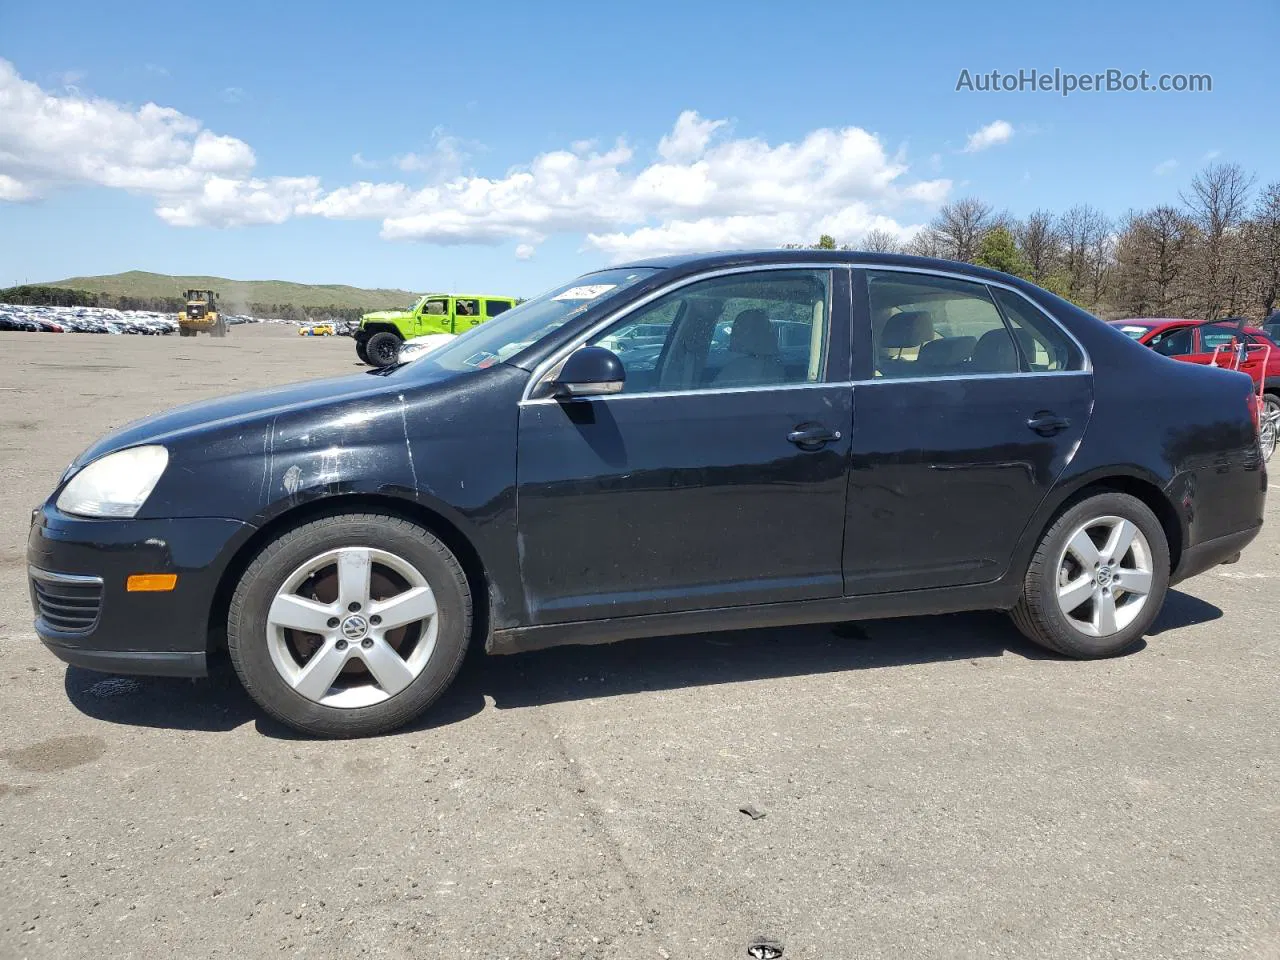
(933, 787)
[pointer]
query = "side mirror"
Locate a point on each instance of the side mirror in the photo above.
(590, 372)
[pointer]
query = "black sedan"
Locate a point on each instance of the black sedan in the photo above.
(807, 437)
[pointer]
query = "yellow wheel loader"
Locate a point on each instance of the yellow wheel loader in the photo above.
(201, 315)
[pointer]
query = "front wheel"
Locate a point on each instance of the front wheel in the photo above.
(360, 351)
(351, 625)
(382, 349)
(1097, 580)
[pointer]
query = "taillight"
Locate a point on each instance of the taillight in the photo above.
(1255, 411)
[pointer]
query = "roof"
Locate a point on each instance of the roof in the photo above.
(732, 258)
(468, 296)
(1183, 322)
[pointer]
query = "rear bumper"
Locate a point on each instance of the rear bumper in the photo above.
(1204, 556)
(77, 574)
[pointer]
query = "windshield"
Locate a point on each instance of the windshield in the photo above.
(1134, 330)
(532, 320)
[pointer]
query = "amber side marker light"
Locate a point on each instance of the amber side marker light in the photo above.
(151, 582)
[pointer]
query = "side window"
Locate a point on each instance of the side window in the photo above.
(1217, 336)
(1173, 343)
(468, 308)
(745, 330)
(495, 307)
(927, 326)
(436, 308)
(1042, 344)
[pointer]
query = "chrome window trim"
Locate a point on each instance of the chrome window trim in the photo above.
(546, 366)
(48, 576)
(1086, 362)
(975, 376)
(658, 394)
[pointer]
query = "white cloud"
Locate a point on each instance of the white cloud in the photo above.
(1165, 166)
(232, 94)
(221, 154)
(525, 251)
(233, 203)
(360, 201)
(13, 191)
(996, 132)
(48, 141)
(690, 137)
(358, 160)
(702, 189)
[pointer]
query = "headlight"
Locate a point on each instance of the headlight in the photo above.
(116, 485)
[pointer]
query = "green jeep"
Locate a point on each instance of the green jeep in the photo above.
(380, 334)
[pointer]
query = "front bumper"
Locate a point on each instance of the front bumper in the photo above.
(106, 627)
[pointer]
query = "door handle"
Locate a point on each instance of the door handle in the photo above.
(812, 435)
(1047, 424)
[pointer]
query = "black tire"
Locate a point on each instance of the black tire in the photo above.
(1038, 615)
(184, 332)
(382, 349)
(219, 329)
(360, 351)
(247, 623)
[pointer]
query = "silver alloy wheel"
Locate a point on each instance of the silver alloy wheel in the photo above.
(1269, 427)
(352, 627)
(1104, 576)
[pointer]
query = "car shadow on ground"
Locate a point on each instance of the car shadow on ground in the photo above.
(567, 674)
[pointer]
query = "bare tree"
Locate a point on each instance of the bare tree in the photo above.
(959, 226)
(1152, 254)
(925, 244)
(1039, 242)
(1218, 203)
(1263, 234)
(881, 241)
(1084, 232)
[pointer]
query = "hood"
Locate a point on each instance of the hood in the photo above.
(246, 408)
(387, 315)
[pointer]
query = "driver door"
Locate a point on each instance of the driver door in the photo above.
(716, 478)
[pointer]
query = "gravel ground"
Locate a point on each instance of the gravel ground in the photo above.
(932, 787)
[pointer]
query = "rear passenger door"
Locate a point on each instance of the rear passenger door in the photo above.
(493, 308)
(466, 314)
(968, 404)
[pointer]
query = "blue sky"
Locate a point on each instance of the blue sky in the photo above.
(507, 146)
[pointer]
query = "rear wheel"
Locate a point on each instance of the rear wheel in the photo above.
(351, 625)
(1097, 580)
(382, 349)
(360, 351)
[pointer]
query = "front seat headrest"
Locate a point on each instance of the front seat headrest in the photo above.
(904, 330)
(946, 353)
(995, 353)
(753, 335)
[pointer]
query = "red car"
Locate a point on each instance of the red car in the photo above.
(1195, 341)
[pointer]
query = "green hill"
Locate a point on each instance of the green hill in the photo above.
(235, 296)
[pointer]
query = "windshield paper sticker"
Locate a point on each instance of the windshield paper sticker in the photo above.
(589, 292)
